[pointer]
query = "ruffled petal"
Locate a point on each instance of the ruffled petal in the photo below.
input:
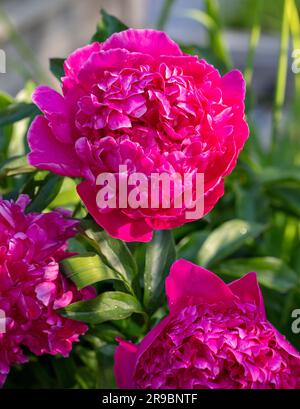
(116, 223)
(53, 105)
(74, 62)
(153, 42)
(188, 284)
(48, 153)
(247, 290)
(125, 361)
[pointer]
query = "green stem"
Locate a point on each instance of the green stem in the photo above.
(24, 51)
(164, 14)
(254, 39)
(216, 34)
(294, 22)
(281, 75)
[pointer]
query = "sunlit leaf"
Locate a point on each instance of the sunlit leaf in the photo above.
(108, 306)
(160, 255)
(86, 269)
(271, 272)
(226, 239)
(107, 26)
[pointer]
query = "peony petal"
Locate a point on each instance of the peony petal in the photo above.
(74, 62)
(116, 223)
(48, 153)
(247, 289)
(189, 284)
(233, 87)
(45, 292)
(53, 105)
(94, 67)
(153, 42)
(125, 360)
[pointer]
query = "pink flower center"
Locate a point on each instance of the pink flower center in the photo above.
(203, 348)
(167, 101)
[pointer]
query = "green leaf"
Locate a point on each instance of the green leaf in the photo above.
(189, 246)
(67, 196)
(47, 192)
(108, 306)
(57, 67)
(16, 112)
(286, 198)
(226, 239)
(160, 255)
(272, 272)
(5, 132)
(113, 252)
(16, 165)
(86, 269)
(107, 26)
(273, 175)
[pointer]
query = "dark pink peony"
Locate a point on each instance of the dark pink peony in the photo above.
(31, 285)
(216, 336)
(138, 100)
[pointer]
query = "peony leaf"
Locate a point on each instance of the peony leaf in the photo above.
(272, 272)
(270, 175)
(57, 67)
(86, 269)
(160, 254)
(113, 252)
(107, 26)
(108, 306)
(226, 239)
(16, 112)
(6, 131)
(47, 192)
(189, 246)
(16, 165)
(286, 197)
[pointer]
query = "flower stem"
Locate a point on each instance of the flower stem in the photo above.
(294, 22)
(254, 39)
(281, 75)
(216, 34)
(164, 14)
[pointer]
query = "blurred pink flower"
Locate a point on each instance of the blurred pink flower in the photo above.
(138, 100)
(31, 285)
(216, 336)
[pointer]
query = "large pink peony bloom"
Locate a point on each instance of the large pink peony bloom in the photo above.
(216, 336)
(138, 100)
(31, 285)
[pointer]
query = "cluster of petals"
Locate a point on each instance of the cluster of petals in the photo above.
(216, 336)
(32, 288)
(138, 100)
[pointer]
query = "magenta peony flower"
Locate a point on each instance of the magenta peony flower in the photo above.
(138, 100)
(31, 285)
(216, 336)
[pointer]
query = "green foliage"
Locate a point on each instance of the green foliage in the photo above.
(57, 67)
(108, 306)
(160, 255)
(107, 26)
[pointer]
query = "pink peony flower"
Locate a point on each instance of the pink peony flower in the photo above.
(138, 100)
(31, 285)
(216, 336)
